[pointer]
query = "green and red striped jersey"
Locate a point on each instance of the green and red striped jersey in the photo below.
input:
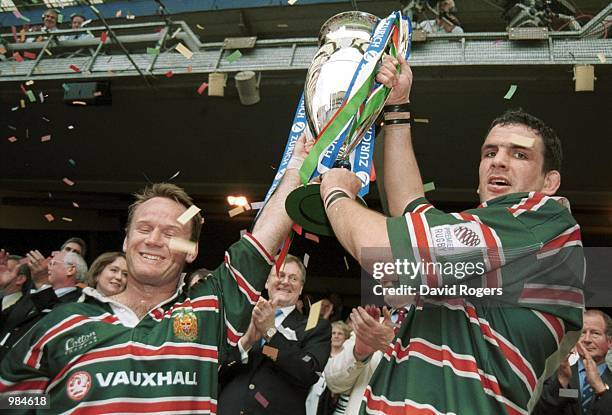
(469, 354)
(88, 362)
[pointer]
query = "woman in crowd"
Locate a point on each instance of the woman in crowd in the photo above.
(108, 273)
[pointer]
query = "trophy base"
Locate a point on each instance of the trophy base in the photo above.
(305, 207)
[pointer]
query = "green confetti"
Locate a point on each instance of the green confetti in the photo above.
(428, 187)
(234, 56)
(60, 18)
(66, 87)
(24, 18)
(510, 92)
(31, 96)
(152, 51)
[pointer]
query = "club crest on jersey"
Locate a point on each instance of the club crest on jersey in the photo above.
(78, 385)
(185, 325)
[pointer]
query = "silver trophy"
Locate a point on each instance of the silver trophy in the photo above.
(343, 40)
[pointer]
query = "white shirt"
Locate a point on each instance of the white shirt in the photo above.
(278, 323)
(10, 299)
(63, 291)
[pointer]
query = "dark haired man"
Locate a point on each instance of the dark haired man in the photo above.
(156, 346)
(497, 332)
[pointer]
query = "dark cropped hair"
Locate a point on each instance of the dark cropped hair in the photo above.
(553, 153)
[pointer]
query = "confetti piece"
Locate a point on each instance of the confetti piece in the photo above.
(282, 25)
(262, 401)
(46, 119)
(45, 138)
(75, 204)
(174, 175)
(182, 245)
(31, 96)
(25, 91)
(306, 259)
(199, 26)
(48, 52)
(169, 74)
(297, 228)
(71, 127)
(257, 205)
(79, 103)
(522, 141)
(118, 13)
(311, 237)
(75, 68)
(12, 127)
(20, 16)
(17, 57)
(176, 32)
(130, 16)
(152, 51)
(27, 133)
(50, 195)
(188, 214)
(30, 82)
(510, 92)
(103, 37)
(236, 211)
(271, 352)
(14, 108)
(184, 50)
(68, 181)
(41, 96)
(291, 2)
(234, 56)
(29, 55)
(346, 262)
(12, 139)
(428, 187)
(66, 219)
(306, 358)
(60, 18)
(98, 94)
(422, 120)
(202, 87)
(72, 162)
(22, 103)
(66, 87)
(313, 315)
(601, 56)
(49, 217)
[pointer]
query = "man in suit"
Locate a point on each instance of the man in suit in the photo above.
(65, 270)
(582, 389)
(277, 360)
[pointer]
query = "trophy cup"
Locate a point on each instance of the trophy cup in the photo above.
(344, 42)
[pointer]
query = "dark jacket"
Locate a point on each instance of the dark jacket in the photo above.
(265, 386)
(551, 404)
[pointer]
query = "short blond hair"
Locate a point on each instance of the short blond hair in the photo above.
(168, 191)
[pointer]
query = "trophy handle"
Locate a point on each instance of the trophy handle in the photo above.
(342, 164)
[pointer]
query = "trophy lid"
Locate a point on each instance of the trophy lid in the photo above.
(351, 20)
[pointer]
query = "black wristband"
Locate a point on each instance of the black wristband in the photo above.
(334, 196)
(399, 121)
(397, 108)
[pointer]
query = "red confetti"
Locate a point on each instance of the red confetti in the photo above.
(169, 74)
(68, 181)
(12, 139)
(311, 237)
(45, 138)
(75, 68)
(23, 89)
(103, 37)
(202, 87)
(297, 228)
(262, 401)
(17, 57)
(49, 217)
(29, 55)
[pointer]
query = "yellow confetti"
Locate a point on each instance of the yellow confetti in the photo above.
(236, 211)
(200, 27)
(313, 315)
(184, 50)
(271, 352)
(522, 141)
(182, 245)
(188, 214)
(22, 103)
(422, 120)
(66, 219)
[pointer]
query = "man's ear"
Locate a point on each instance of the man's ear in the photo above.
(552, 181)
(192, 255)
(124, 244)
(20, 280)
